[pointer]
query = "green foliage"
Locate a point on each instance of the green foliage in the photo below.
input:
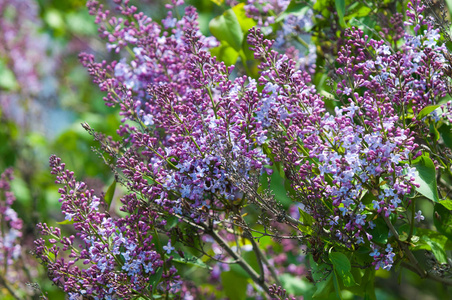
(443, 220)
(225, 53)
(294, 8)
(110, 193)
(234, 285)
(154, 279)
(426, 111)
(426, 177)
(227, 28)
(340, 8)
(245, 22)
(446, 133)
(297, 286)
(436, 248)
(8, 80)
(342, 268)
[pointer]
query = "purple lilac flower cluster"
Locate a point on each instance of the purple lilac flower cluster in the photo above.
(188, 116)
(291, 38)
(189, 132)
(362, 150)
(188, 111)
(11, 224)
(264, 11)
(115, 257)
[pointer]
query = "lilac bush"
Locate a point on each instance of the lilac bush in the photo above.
(119, 254)
(13, 274)
(203, 148)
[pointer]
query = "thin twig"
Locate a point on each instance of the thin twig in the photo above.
(240, 261)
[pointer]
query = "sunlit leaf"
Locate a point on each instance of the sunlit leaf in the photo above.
(234, 286)
(342, 267)
(7, 79)
(426, 178)
(437, 250)
(442, 219)
(225, 53)
(66, 222)
(110, 193)
(426, 111)
(245, 22)
(340, 8)
(227, 28)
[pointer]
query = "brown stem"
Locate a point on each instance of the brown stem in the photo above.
(258, 254)
(245, 266)
(428, 275)
(6, 285)
(415, 264)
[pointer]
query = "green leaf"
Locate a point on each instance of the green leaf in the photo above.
(239, 272)
(337, 287)
(437, 250)
(227, 28)
(380, 232)
(245, 22)
(426, 178)
(305, 218)
(80, 22)
(189, 259)
(55, 20)
(368, 198)
(277, 186)
(368, 284)
(218, 2)
(110, 193)
(154, 279)
(435, 236)
(318, 271)
(358, 10)
(324, 288)
(7, 79)
(66, 222)
(342, 268)
(426, 110)
(294, 8)
(295, 285)
(21, 190)
(340, 8)
(225, 53)
(434, 131)
(171, 222)
(442, 219)
(404, 231)
(233, 285)
(149, 179)
(446, 203)
(446, 133)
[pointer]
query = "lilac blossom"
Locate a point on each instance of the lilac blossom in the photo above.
(418, 216)
(193, 141)
(11, 224)
(112, 255)
(362, 148)
(264, 11)
(197, 119)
